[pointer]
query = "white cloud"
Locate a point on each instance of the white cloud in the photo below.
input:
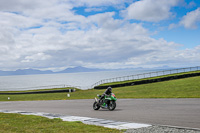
(191, 4)
(172, 26)
(97, 3)
(51, 35)
(150, 10)
(36, 57)
(19, 5)
(191, 19)
(94, 9)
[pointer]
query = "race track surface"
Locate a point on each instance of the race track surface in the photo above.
(173, 112)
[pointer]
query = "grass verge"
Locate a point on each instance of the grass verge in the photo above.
(180, 88)
(17, 123)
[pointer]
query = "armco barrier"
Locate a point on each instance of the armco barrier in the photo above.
(39, 92)
(146, 75)
(149, 81)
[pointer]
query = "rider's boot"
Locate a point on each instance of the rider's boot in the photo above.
(104, 105)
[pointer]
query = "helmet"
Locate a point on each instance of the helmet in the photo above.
(110, 89)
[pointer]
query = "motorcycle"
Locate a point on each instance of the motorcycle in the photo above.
(107, 102)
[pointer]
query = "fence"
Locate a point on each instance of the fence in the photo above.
(146, 75)
(45, 87)
(39, 92)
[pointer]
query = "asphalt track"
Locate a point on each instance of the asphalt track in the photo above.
(173, 112)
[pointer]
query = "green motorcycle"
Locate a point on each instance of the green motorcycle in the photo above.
(107, 102)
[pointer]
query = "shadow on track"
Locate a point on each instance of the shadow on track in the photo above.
(108, 110)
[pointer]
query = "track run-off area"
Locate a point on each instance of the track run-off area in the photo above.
(183, 112)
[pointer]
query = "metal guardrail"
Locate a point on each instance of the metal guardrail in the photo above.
(49, 87)
(39, 92)
(46, 87)
(146, 75)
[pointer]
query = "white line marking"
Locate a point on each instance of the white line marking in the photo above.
(86, 120)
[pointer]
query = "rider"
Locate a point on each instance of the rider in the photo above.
(106, 93)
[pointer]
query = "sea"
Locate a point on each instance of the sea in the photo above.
(81, 80)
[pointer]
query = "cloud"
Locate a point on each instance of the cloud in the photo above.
(191, 4)
(18, 6)
(94, 9)
(150, 10)
(36, 57)
(51, 35)
(191, 19)
(99, 3)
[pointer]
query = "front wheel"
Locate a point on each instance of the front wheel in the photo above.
(112, 105)
(96, 106)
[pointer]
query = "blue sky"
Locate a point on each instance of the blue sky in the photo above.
(58, 34)
(178, 34)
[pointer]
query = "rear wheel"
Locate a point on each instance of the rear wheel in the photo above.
(112, 105)
(96, 106)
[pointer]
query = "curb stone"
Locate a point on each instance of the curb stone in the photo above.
(86, 120)
(131, 127)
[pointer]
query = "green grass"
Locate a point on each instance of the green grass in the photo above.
(17, 123)
(79, 94)
(180, 88)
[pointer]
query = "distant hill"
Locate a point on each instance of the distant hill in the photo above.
(80, 69)
(68, 70)
(24, 72)
(34, 71)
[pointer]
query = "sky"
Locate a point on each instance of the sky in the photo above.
(111, 34)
